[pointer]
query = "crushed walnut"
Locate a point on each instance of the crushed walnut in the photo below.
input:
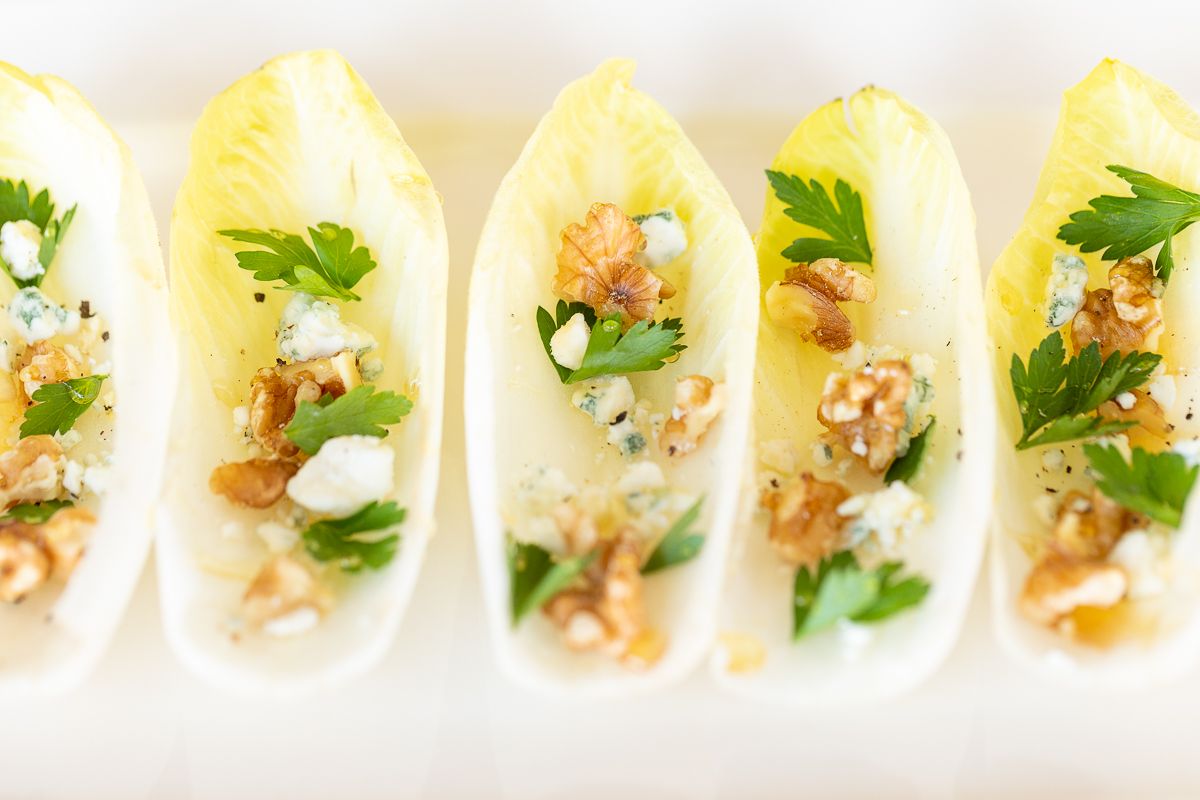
(255, 483)
(806, 301)
(31, 471)
(1072, 571)
(285, 597)
(864, 410)
(596, 267)
(698, 403)
(1124, 317)
(607, 613)
(30, 554)
(43, 363)
(1139, 407)
(805, 525)
(276, 391)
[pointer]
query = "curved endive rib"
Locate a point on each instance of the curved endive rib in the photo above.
(604, 141)
(300, 141)
(110, 257)
(922, 230)
(1120, 116)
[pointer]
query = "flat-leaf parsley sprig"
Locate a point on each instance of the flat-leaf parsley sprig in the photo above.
(358, 540)
(645, 347)
(1127, 226)
(329, 268)
(841, 589)
(1154, 484)
(1057, 399)
(16, 204)
(56, 406)
(809, 204)
(362, 411)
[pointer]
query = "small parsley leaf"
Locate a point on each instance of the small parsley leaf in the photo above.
(1127, 226)
(643, 348)
(535, 576)
(56, 406)
(841, 589)
(678, 545)
(905, 467)
(329, 268)
(340, 540)
(809, 204)
(36, 513)
(1154, 484)
(17, 204)
(361, 411)
(1056, 399)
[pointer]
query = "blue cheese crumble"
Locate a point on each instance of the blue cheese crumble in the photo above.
(569, 343)
(882, 521)
(37, 318)
(666, 239)
(1065, 290)
(609, 401)
(311, 328)
(20, 242)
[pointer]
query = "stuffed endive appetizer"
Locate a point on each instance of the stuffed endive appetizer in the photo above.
(84, 406)
(610, 350)
(308, 268)
(874, 414)
(1092, 311)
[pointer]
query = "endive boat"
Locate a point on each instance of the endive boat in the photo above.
(874, 421)
(308, 286)
(608, 382)
(85, 405)
(1091, 310)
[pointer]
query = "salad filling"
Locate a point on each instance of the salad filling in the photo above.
(582, 552)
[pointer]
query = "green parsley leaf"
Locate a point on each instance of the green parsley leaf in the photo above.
(1154, 484)
(1127, 226)
(549, 325)
(535, 576)
(16, 204)
(330, 268)
(340, 540)
(36, 513)
(809, 204)
(905, 467)
(56, 406)
(361, 411)
(841, 589)
(1054, 397)
(677, 546)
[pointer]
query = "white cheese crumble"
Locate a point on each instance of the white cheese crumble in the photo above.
(1066, 289)
(68, 439)
(1046, 508)
(95, 479)
(72, 479)
(822, 454)
(1161, 389)
(666, 239)
(278, 538)
(1144, 557)
(569, 343)
(346, 473)
(609, 401)
(311, 328)
(1190, 450)
(1053, 459)
(884, 519)
(641, 485)
(36, 318)
(20, 241)
(779, 455)
(293, 623)
(1126, 400)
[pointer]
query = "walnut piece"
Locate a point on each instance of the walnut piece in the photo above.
(1126, 316)
(24, 564)
(64, 537)
(805, 526)
(608, 613)
(806, 301)
(596, 266)
(864, 410)
(275, 393)
(284, 589)
(43, 363)
(256, 483)
(1147, 413)
(31, 471)
(698, 403)
(1090, 527)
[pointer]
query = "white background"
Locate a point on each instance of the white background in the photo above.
(466, 83)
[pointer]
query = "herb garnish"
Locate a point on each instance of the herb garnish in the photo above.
(535, 576)
(1154, 484)
(341, 539)
(361, 411)
(56, 406)
(809, 204)
(645, 347)
(16, 204)
(841, 589)
(1127, 226)
(36, 513)
(906, 466)
(330, 268)
(678, 545)
(1056, 400)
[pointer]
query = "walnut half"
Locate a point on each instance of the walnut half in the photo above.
(256, 483)
(805, 526)
(806, 301)
(1125, 317)
(864, 410)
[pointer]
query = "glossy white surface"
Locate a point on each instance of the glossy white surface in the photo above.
(435, 720)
